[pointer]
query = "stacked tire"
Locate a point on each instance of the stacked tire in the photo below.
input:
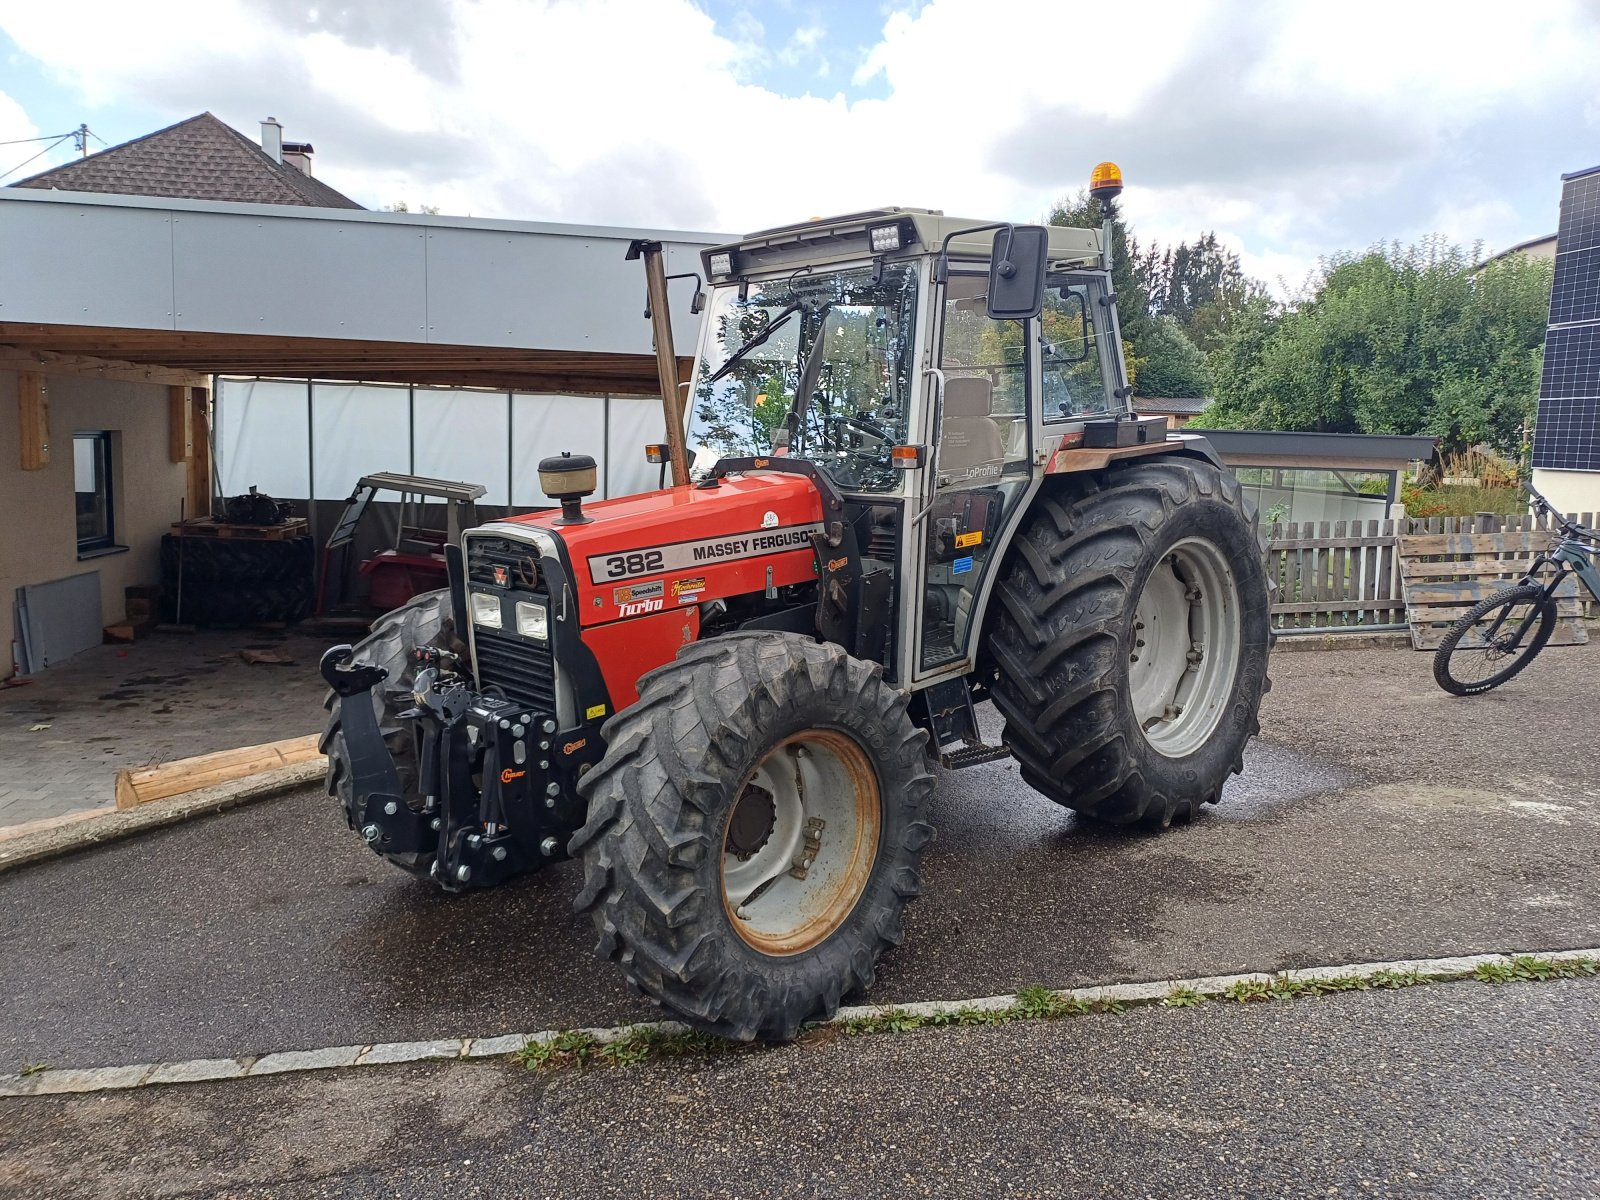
(230, 583)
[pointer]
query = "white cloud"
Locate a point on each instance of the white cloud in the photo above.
(1295, 130)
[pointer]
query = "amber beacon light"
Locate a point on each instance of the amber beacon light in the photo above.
(1105, 181)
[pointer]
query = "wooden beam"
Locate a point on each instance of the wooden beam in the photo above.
(49, 363)
(179, 429)
(33, 415)
(199, 473)
(144, 784)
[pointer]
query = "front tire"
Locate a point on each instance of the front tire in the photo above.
(755, 831)
(1129, 642)
(1466, 663)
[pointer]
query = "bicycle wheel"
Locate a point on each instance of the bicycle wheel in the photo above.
(1494, 640)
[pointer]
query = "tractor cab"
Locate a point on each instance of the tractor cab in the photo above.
(926, 366)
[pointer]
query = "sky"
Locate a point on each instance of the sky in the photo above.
(1293, 130)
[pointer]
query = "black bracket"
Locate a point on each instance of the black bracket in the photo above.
(832, 501)
(347, 679)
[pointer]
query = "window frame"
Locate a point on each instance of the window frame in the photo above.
(105, 541)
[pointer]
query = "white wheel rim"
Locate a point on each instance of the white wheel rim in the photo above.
(1183, 652)
(806, 876)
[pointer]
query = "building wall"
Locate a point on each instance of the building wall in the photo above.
(1570, 491)
(38, 537)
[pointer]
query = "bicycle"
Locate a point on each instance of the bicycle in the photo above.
(1520, 618)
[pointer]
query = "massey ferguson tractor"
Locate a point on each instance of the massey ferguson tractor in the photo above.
(905, 482)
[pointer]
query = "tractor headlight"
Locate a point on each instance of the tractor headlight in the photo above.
(486, 610)
(533, 621)
(722, 263)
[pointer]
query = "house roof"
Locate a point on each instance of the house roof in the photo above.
(198, 159)
(1186, 406)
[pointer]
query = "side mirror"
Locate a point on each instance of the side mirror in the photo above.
(1016, 272)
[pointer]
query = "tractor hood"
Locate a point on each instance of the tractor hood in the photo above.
(682, 546)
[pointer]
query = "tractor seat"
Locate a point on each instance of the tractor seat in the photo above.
(969, 436)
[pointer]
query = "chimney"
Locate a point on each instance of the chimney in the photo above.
(298, 155)
(272, 139)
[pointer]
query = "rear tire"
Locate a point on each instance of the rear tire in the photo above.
(425, 621)
(1454, 664)
(1122, 723)
(705, 808)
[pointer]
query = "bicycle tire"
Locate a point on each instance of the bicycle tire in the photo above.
(1451, 659)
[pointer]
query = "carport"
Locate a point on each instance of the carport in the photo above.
(115, 311)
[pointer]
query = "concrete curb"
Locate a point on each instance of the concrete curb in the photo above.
(51, 1081)
(1291, 643)
(113, 825)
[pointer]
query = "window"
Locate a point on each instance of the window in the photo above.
(91, 475)
(1073, 378)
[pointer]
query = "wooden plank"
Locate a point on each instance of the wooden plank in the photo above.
(179, 428)
(1487, 567)
(1569, 631)
(1445, 591)
(1412, 545)
(198, 480)
(142, 785)
(1351, 542)
(33, 420)
(206, 527)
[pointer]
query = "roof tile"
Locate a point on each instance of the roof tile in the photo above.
(198, 159)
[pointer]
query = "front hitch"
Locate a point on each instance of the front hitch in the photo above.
(377, 807)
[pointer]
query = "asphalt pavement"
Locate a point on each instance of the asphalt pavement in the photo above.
(1446, 1090)
(1378, 818)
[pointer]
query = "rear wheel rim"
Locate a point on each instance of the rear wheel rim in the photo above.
(800, 842)
(1183, 657)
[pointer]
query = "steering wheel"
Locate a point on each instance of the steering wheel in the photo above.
(866, 425)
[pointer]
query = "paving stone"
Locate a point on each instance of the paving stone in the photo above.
(494, 1047)
(184, 695)
(305, 1060)
(97, 1079)
(199, 1070)
(398, 1052)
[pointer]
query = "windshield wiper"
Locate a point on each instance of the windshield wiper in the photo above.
(759, 339)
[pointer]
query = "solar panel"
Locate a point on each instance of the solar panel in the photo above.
(1567, 436)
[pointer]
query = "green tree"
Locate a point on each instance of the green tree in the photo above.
(1398, 340)
(1170, 364)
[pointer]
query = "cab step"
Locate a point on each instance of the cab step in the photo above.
(971, 756)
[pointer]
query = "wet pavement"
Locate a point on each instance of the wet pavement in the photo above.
(1378, 818)
(1447, 1090)
(66, 732)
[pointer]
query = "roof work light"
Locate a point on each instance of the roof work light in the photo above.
(884, 238)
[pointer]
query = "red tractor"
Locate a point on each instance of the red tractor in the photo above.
(907, 482)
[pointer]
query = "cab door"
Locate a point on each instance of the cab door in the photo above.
(981, 468)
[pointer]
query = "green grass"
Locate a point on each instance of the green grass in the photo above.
(575, 1049)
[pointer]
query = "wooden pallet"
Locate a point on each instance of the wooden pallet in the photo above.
(1442, 575)
(208, 527)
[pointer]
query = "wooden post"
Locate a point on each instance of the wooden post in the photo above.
(33, 414)
(199, 482)
(672, 400)
(180, 433)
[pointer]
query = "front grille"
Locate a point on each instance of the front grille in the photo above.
(518, 559)
(521, 667)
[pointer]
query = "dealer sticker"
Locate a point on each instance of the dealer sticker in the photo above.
(639, 591)
(961, 566)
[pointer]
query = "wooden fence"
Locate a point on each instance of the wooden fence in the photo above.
(1346, 575)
